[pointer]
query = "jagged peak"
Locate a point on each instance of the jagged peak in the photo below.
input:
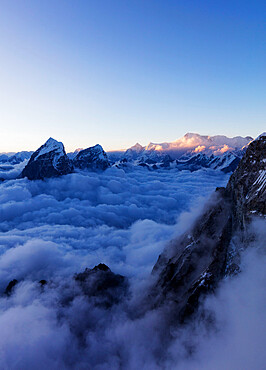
(49, 146)
(52, 142)
(97, 147)
(92, 157)
(137, 147)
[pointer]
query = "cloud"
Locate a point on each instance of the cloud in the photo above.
(36, 260)
(9, 171)
(225, 148)
(42, 331)
(52, 229)
(199, 148)
(112, 217)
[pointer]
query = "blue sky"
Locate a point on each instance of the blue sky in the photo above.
(116, 72)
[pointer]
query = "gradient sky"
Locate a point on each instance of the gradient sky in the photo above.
(116, 72)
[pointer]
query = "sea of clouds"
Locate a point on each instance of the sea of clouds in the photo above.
(54, 228)
(62, 225)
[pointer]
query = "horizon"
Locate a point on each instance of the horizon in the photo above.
(124, 149)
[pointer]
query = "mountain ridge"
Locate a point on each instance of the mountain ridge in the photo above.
(193, 265)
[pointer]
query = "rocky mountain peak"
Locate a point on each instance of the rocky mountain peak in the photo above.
(91, 158)
(49, 160)
(137, 147)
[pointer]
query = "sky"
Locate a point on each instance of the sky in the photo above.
(125, 71)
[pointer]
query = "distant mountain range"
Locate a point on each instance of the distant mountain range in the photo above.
(14, 158)
(191, 152)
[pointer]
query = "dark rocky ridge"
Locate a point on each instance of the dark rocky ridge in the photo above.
(194, 264)
(247, 185)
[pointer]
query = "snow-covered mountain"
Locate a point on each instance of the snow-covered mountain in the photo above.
(50, 160)
(91, 158)
(191, 152)
(15, 158)
(194, 143)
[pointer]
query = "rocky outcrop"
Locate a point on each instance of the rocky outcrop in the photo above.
(103, 285)
(10, 287)
(194, 264)
(247, 185)
(91, 158)
(50, 160)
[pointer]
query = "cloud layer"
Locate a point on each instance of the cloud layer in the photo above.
(121, 219)
(51, 229)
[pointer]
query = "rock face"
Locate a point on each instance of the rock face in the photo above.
(10, 287)
(50, 160)
(227, 162)
(103, 285)
(91, 158)
(247, 185)
(195, 263)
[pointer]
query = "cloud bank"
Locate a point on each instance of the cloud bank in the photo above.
(121, 219)
(52, 229)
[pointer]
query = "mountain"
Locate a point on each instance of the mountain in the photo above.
(50, 160)
(134, 152)
(194, 264)
(99, 284)
(191, 152)
(194, 143)
(91, 158)
(153, 160)
(15, 158)
(247, 185)
(227, 162)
